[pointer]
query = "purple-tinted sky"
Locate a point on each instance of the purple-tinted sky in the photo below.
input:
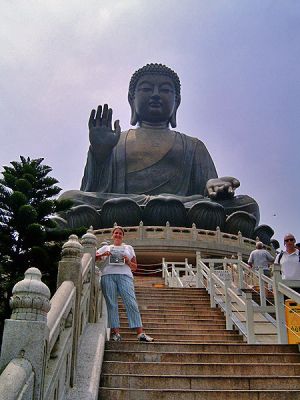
(238, 61)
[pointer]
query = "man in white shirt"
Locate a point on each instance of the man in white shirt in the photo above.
(260, 258)
(289, 259)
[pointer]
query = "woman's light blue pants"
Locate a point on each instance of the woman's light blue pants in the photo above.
(122, 285)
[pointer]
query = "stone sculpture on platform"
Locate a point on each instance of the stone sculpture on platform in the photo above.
(154, 173)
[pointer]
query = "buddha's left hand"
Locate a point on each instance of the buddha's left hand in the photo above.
(222, 188)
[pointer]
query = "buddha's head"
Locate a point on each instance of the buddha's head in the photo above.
(154, 96)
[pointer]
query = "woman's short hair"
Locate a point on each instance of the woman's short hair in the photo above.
(118, 227)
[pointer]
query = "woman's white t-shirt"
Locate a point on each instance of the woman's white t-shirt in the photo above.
(124, 269)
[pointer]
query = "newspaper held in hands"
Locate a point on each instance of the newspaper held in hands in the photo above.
(117, 255)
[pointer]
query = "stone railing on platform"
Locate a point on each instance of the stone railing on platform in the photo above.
(42, 337)
(182, 238)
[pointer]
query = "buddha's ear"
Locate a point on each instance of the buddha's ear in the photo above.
(133, 118)
(173, 121)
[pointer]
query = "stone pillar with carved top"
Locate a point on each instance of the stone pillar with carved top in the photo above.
(25, 333)
(70, 269)
(89, 243)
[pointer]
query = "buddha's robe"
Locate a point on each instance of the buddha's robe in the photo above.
(147, 163)
(183, 169)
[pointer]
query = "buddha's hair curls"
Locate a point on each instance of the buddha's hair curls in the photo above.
(159, 69)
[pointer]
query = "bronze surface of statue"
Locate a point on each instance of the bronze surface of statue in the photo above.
(152, 172)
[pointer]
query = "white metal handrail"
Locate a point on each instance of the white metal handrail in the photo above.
(230, 283)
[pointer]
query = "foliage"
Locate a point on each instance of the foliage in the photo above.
(28, 234)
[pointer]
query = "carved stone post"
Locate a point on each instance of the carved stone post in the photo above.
(249, 317)
(212, 285)
(279, 306)
(218, 234)
(163, 267)
(240, 238)
(199, 279)
(240, 272)
(89, 243)
(194, 232)
(25, 333)
(168, 231)
(141, 230)
(262, 288)
(186, 267)
(99, 297)
(227, 299)
(69, 269)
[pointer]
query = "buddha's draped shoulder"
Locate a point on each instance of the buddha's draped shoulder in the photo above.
(151, 163)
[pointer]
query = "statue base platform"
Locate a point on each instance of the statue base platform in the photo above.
(152, 243)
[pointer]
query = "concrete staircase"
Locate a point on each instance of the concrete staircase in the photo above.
(193, 356)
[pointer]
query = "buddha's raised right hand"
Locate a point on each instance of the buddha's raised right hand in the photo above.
(102, 137)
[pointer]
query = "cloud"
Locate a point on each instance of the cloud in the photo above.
(237, 61)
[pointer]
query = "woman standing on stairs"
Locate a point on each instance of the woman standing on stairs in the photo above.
(117, 279)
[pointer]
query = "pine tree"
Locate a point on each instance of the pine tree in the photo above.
(28, 235)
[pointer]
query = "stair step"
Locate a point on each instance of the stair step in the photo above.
(201, 382)
(160, 293)
(166, 289)
(174, 336)
(163, 294)
(188, 394)
(177, 316)
(250, 358)
(196, 325)
(198, 313)
(171, 292)
(159, 330)
(164, 321)
(211, 369)
(170, 307)
(202, 347)
(165, 303)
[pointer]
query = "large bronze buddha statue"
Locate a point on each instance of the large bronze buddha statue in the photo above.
(153, 173)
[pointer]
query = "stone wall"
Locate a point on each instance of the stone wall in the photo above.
(41, 340)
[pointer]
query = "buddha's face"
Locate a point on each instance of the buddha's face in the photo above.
(154, 99)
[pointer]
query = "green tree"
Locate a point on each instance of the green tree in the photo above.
(28, 234)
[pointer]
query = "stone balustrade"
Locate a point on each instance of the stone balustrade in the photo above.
(42, 337)
(167, 239)
(61, 312)
(23, 380)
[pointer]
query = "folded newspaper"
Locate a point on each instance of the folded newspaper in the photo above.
(117, 255)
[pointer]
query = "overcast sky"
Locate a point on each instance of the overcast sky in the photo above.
(238, 62)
